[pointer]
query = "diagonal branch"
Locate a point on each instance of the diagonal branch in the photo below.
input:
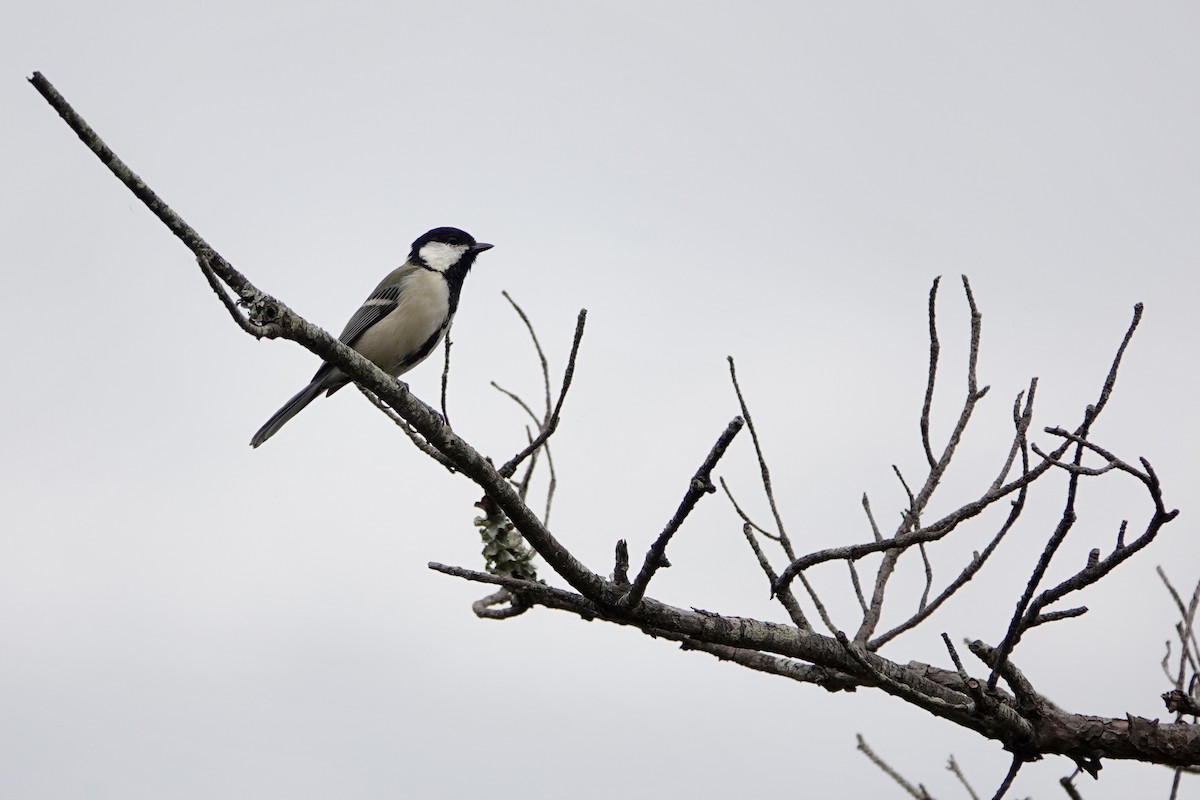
(537, 346)
(1022, 420)
(781, 535)
(936, 471)
(1027, 608)
(934, 349)
(551, 425)
(277, 320)
(918, 791)
(786, 598)
(700, 485)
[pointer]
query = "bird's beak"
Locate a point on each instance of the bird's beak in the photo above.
(479, 247)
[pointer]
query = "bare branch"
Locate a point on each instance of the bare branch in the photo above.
(551, 425)
(1014, 768)
(932, 481)
(621, 565)
(1083, 738)
(516, 398)
(1181, 703)
(866, 503)
(762, 463)
(1022, 688)
(1069, 787)
(786, 599)
(1054, 616)
(1021, 421)
(858, 592)
(447, 344)
(700, 485)
(745, 517)
(527, 479)
(1028, 725)
(921, 606)
(913, 516)
(934, 350)
(279, 320)
(1015, 627)
(230, 304)
(958, 665)
(791, 669)
(930, 533)
(509, 606)
(401, 423)
(953, 767)
(821, 612)
(913, 791)
(537, 345)
(1090, 574)
(968, 572)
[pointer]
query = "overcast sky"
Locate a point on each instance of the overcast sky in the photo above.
(185, 617)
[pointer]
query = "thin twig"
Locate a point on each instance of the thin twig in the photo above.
(913, 791)
(553, 481)
(745, 517)
(1054, 616)
(516, 398)
(551, 425)
(784, 541)
(866, 504)
(1013, 769)
(1065, 523)
(933, 480)
(934, 350)
(912, 517)
(786, 599)
(829, 680)
(523, 484)
(930, 533)
(700, 485)
(509, 606)
(446, 376)
(958, 773)
(537, 345)
(551, 484)
(1069, 787)
(858, 592)
(621, 564)
(968, 572)
(230, 304)
(821, 612)
(1030, 610)
(1022, 687)
(401, 423)
(1021, 423)
(928, 578)
(958, 665)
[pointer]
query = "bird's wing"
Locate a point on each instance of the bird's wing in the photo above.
(382, 301)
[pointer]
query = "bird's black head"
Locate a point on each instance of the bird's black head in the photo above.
(444, 248)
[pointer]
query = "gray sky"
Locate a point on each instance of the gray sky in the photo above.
(185, 617)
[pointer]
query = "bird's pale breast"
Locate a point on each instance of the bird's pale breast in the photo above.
(424, 304)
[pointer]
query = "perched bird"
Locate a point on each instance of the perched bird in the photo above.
(402, 321)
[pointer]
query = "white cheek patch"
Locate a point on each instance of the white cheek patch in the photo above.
(441, 256)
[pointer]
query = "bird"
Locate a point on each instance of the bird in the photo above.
(402, 321)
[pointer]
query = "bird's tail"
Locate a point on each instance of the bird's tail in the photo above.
(290, 409)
